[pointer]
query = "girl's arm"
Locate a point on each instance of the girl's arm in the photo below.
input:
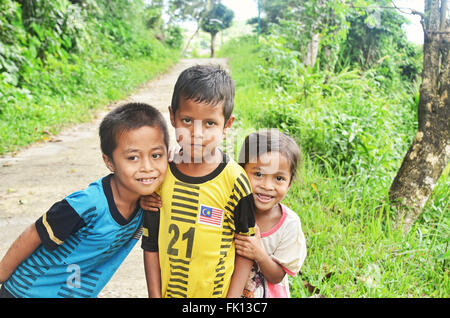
(242, 268)
(251, 248)
(152, 274)
(20, 250)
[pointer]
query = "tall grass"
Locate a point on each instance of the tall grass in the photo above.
(353, 134)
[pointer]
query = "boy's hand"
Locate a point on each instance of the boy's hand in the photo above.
(151, 202)
(174, 153)
(250, 246)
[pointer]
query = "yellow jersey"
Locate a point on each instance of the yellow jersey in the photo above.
(198, 220)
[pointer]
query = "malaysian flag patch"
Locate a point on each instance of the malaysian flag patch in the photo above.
(210, 216)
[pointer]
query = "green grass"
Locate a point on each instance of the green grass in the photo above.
(69, 94)
(353, 248)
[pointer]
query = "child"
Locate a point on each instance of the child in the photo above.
(270, 159)
(74, 249)
(206, 197)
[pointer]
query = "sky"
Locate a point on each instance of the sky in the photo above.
(245, 9)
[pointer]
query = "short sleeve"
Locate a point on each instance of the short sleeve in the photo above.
(244, 210)
(150, 231)
(291, 252)
(57, 224)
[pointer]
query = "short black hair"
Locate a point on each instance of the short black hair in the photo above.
(209, 84)
(270, 140)
(127, 117)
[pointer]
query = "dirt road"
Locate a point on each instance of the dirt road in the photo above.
(36, 177)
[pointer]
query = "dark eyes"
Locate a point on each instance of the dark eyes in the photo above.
(188, 121)
(258, 174)
(154, 156)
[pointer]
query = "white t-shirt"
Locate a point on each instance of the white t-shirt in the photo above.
(285, 243)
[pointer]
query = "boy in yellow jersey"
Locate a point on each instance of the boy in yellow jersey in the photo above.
(205, 198)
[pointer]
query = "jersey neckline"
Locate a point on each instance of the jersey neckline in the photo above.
(197, 180)
(115, 213)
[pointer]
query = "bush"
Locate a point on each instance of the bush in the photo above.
(60, 61)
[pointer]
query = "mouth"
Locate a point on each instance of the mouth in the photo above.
(146, 181)
(264, 198)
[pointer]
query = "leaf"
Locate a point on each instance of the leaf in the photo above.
(444, 256)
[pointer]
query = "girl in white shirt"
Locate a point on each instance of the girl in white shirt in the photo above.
(270, 159)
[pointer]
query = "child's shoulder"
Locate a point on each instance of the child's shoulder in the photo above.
(291, 217)
(233, 172)
(234, 166)
(90, 197)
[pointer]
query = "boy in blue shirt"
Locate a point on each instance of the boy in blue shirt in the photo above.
(76, 246)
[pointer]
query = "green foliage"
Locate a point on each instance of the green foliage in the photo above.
(59, 61)
(376, 40)
(217, 19)
(174, 37)
(354, 132)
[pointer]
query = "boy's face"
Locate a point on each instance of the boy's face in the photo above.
(199, 129)
(139, 161)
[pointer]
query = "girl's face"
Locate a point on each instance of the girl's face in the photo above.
(270, 177)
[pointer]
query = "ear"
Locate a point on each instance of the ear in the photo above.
(108, 162)
(229, 123)
(172, 116)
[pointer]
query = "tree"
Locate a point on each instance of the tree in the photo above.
(190, 10)
(216, 20)
(430, 150)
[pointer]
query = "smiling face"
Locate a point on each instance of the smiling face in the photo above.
(270, 177)
(139, 161)
(200, 128)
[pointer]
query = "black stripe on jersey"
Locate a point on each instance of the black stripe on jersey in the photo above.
(172, 273)
(175, 292)
(178, 280)
(236, 188)
(175, 218)
(196, 194)
(182, 205)
(179, 269)
(192, 186)
(191, 214)
(177, 260)
(186, 269)
(247, 190)
(178, 197)
(176, 286)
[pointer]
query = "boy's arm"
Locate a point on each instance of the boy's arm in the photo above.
(242, 268)
(20, 249)
(244, 223)
(151, 255)
(152, 274)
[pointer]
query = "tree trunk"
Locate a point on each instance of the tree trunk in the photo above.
(213, 44)
(430, 151)
(311, 50)
(190, 39)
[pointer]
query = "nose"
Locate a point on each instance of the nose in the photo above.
(146, 165)
(267, 184)
(198, 129)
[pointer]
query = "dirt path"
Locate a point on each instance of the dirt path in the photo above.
(44, 173)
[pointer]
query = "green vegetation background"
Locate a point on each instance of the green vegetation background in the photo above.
(60, 62)
(353, 114)
(354, 128)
